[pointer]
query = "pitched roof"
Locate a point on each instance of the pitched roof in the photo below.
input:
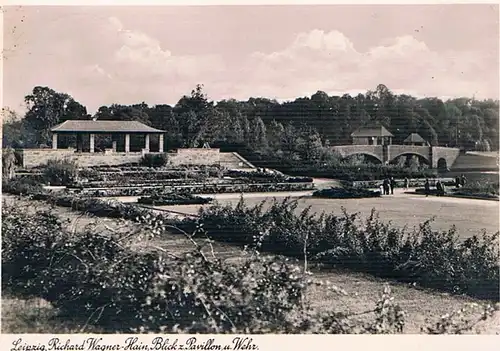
(414, 138)
(372, 131)
(104, 127)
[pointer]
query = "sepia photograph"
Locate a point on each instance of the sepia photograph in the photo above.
(249, 170)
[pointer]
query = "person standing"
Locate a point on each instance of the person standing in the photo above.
(407, 183)
(427, 187)
(392, 183)
(439, 187)
(386, 186)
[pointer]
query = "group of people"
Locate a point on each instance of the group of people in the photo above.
(388, 185)
(439, 187)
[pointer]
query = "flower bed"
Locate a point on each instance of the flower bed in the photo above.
(267, 177)
(174, 199)
(199, 189)
(342, 193)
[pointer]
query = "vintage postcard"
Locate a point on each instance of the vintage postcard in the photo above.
(204, 176)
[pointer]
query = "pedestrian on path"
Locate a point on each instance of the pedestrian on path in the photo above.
(407, 183)
(427, 187)
(392, 183)
(386, 186)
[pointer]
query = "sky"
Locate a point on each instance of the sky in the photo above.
(103, 55)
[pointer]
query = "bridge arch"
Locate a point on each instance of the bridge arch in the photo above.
(371, 156)
(442, 164)
(406, 154)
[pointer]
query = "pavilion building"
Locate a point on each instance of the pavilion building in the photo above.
(414, 139)
(116, 129)
(376, 135)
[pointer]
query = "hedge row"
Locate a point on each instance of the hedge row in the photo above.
(357, 172)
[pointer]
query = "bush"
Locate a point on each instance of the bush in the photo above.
(375, 248)
(98, 278)
(425, 257)
(60, 172)
(154, 160)
(341, 193)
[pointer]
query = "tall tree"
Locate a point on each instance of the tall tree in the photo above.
(46, 108)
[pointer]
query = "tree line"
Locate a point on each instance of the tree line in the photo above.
(295, 130)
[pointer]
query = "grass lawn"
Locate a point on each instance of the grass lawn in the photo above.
(35, 316)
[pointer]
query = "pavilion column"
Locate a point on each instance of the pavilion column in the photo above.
(54, 141)
(127, 143)
(92, 142)
(79, 143)
(160, 146)
(146, 146)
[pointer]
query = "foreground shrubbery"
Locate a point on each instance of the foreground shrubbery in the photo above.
(174, 199)
(425, 257)
(101, 280)
(345, 193)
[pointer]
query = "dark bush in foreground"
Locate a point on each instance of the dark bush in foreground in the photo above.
(174, 199)
(341, 193)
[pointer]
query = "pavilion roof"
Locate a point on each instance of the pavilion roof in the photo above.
(85, 126)
(414, 138)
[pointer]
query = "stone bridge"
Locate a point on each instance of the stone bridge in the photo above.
(435, 156)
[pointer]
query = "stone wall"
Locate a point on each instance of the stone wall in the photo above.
(195, 157)
(36, 157)
(447, 153)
